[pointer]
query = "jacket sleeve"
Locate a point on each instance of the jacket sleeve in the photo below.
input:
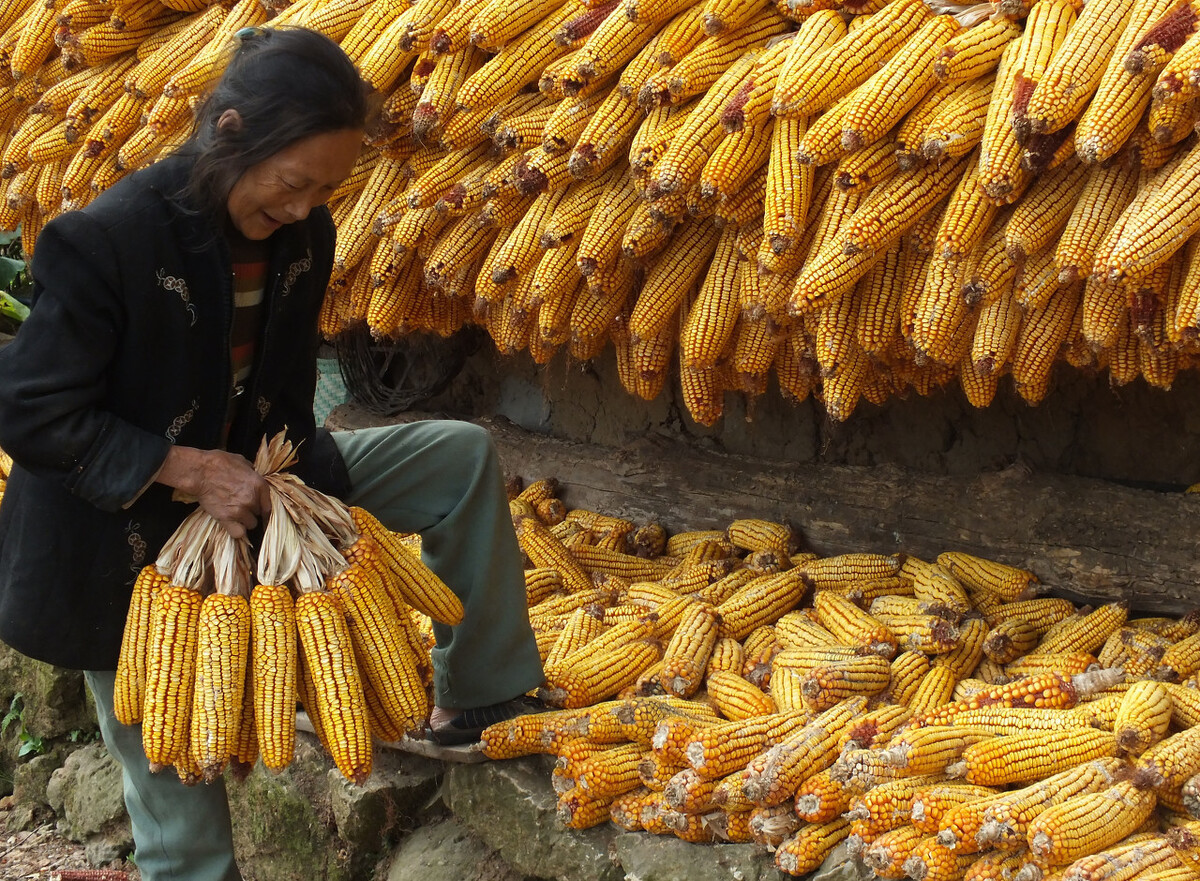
(53, 375)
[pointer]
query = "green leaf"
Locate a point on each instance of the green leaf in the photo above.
(13, 308)
(10, 269)
(7, 238)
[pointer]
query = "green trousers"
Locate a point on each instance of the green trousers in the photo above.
(440, 479)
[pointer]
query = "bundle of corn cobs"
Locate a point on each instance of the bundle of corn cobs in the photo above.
(6, 464)
(213, 659)
(940, 718)
(861, 197)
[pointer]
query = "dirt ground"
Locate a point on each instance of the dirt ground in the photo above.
(41, 854)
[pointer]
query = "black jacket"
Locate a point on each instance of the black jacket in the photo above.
(125, 352)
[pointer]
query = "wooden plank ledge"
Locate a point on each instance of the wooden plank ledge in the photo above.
(1090, 540)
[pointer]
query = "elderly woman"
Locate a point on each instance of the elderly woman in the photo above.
(174, 326)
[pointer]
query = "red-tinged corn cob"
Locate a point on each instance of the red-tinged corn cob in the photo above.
(129, 691)
(1043, 690)
(874, 727)
(808, 848)
(1122, 96)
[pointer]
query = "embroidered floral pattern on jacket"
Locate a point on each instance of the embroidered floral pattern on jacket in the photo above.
(137, 544)
(264, 407)
(179, 286)
(294, 271)
(178, 423)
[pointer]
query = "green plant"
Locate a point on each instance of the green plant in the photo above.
(14, 281)
(31, 744)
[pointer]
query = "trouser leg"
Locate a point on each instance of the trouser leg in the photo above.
(180, 833)
(442, 479)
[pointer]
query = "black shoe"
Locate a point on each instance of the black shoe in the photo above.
(468, 725)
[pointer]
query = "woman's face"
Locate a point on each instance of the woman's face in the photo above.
(284, 187)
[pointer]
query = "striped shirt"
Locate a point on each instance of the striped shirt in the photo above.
(249, 283)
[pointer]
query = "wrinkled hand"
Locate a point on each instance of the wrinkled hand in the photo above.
(225, 484)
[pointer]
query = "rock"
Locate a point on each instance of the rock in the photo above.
(31, 779)
(447, 851)
(512, 808)
(840, 866)
(646, 857)
(86, 794)
(371, 818)
(53, 701)
(283, 827)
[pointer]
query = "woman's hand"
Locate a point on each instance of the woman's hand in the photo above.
(225, 485)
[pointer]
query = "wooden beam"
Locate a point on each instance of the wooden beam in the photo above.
(1086, 539)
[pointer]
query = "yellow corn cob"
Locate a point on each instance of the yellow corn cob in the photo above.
(821, 798)
(1042, 213)
(1172, 761)
(936, 689)
(852, 625)
(886, 855)
(1088, 823)
(788, 196)
(1010, 639)
(761, 601)
(150, 76)
(931, 750)
(518, 63)
(1073, 74)
(1022, 758)
(223, 647)
(498, 22)
(999, 157)
(36, 40)
(610, 772)
(943, 806)
(891, 209)
(933, 861)
(886, 806)
(1185, 842)
(1143, 717)
(716, 751)
(1122, 96)
(1142, 245)
(974, 53)
(896, 88)
(808, 848)
(710, 321)
(825, 76)
(977, 573)
(956, 127)
(129, 692)
(273, 672)
(669, 280)
(1043, 332)
(1088, 633)
(687, 654)
(1042, 613)
(824, 686)
(170, 674)
(936, 585)
(416, 583)
(775, 775)
(338, 695)
(600, 673)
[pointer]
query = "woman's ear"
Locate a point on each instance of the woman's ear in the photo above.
(229, 122)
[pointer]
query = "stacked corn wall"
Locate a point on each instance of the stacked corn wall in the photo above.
(862, 198)
(943, 719)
